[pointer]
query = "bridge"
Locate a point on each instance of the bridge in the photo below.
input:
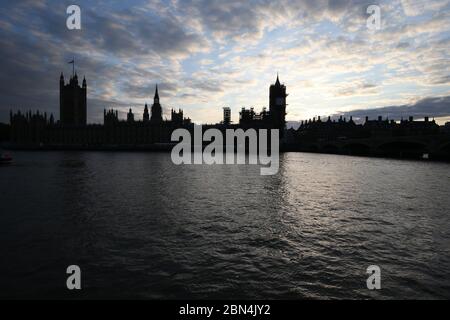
(432, 146)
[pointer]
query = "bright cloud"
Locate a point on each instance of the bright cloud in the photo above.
(207, 54)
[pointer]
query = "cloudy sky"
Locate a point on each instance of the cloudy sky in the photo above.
(207, 54)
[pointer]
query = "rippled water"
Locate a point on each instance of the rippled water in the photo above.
(141, 227)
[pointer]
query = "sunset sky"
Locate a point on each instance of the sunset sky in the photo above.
(209, 54)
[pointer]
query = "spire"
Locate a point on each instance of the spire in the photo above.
(146, 116)
(156, 93)
(156, 98)
(277, 83)
(84, 82)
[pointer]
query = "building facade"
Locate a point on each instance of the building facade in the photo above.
(275, 118)
(31, 130)
(38, 130)
(72, 101)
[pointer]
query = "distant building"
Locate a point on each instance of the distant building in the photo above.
(275, 118)
(316, 129)
(110, 117)
(31, 129)
(446, 127)
(4, 132)
(177, 117)
(130, 116)
(37, 129)
(72, 101)
(226, 115)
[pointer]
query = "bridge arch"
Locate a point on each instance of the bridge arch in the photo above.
(404, 149)
(442, 152)
(356, 148)
(331, 148)
(445, 147)
(313, 148)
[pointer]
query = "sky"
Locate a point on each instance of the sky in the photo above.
(209, 54)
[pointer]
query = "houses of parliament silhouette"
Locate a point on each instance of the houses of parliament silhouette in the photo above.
(72, 130)
(380, 137)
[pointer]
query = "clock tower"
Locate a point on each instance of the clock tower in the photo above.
(277, 105)
(156, 109)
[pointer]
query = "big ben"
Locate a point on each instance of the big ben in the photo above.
(277, 105)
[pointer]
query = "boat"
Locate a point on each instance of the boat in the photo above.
(5, 158)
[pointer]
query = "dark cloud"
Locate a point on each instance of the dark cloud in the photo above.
(427, 107)
(360, 88)
(403, 45)
(236, 18)
(124, 50)
(440, 79)
(35, 46)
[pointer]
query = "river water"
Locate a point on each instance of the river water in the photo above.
(139, 226)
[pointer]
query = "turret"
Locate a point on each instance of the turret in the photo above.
(156, 109)
(130, 116)
(84, 83)
(156, 98)
(146, 115)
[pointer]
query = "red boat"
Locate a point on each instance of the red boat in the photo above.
(5, 158)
